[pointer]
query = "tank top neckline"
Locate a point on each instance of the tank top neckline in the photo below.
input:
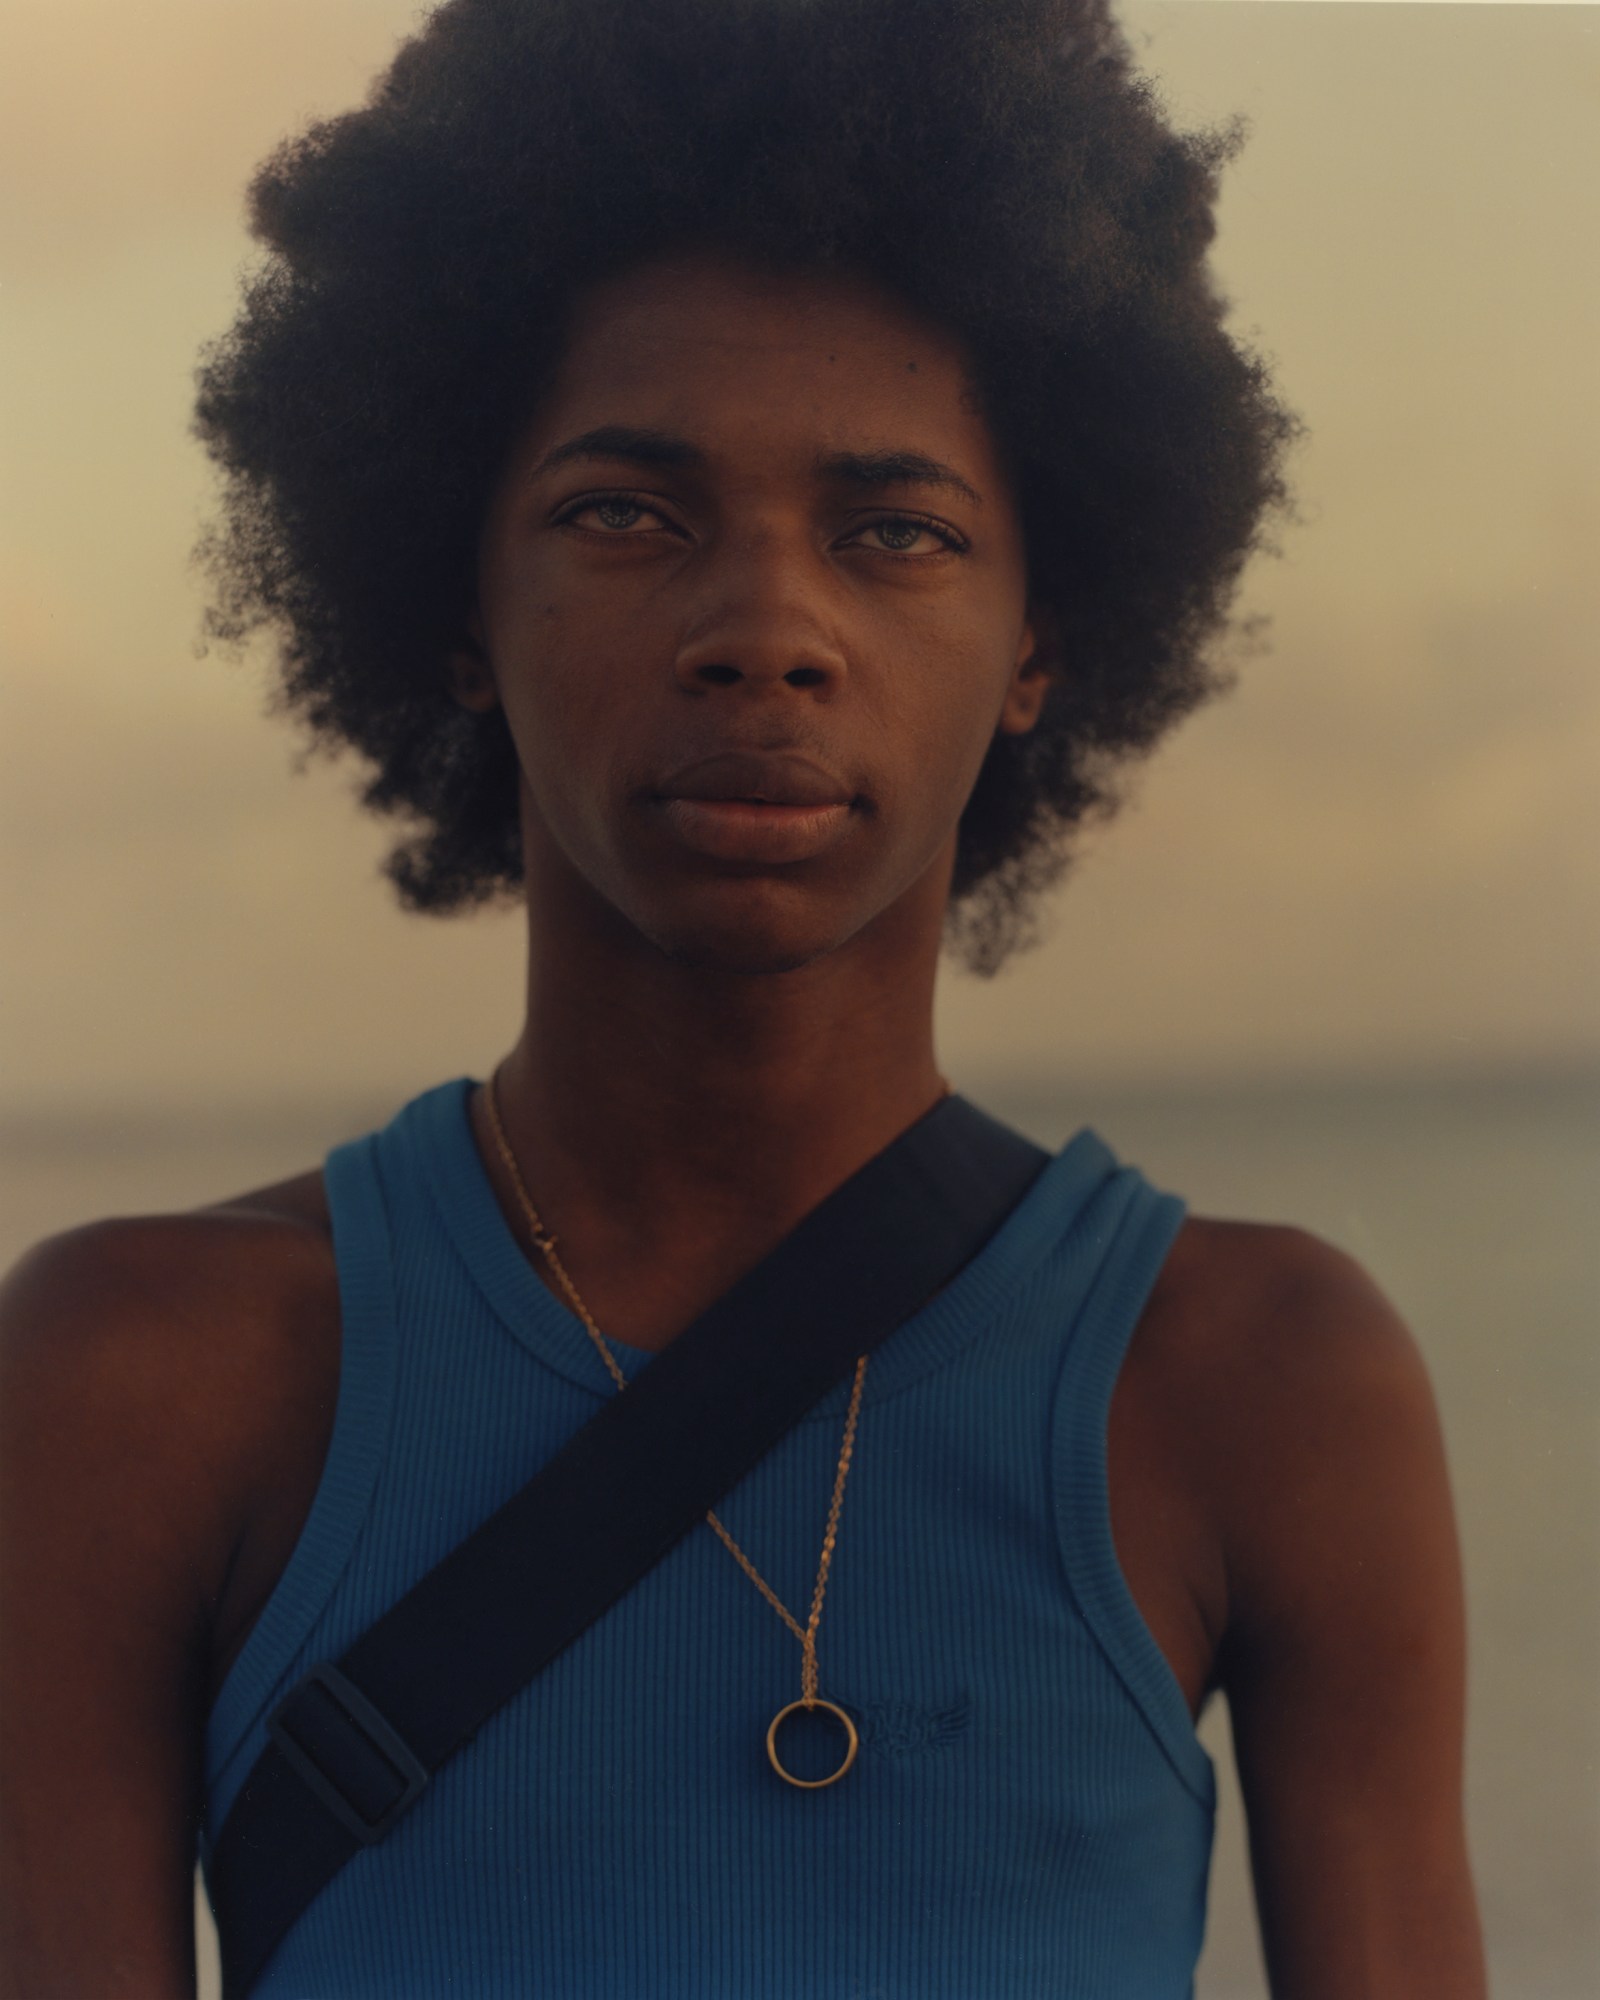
(437, 1131)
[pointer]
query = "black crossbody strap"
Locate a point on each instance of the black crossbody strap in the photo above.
(355, 1743)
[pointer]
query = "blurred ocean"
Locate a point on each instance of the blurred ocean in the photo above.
(1473, 1203)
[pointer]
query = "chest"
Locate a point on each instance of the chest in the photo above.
(1012, 1804)
(1162, 1538)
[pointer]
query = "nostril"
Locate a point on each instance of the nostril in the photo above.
(805, 677)
(719, 676)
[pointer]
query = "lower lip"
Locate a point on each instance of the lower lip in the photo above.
(749, 830)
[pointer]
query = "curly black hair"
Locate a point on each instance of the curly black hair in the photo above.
(996, 164)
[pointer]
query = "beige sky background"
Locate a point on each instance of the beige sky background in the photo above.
(1380, 852)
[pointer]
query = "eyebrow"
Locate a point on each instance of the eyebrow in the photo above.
(639, 446)
(894, 468)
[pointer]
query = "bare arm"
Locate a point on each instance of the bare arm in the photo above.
(166, 1393)
(1344, 1656)
(104, 1584)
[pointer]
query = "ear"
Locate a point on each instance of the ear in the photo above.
(470, 675)
(1035, 668)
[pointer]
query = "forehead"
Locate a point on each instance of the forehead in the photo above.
(734, 355)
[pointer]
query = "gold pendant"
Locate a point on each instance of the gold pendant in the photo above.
(852, 1741)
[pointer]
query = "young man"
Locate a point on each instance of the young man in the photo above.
(741, 474)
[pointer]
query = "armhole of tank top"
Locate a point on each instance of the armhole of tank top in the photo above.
(1080, 1484)
(367, 1365)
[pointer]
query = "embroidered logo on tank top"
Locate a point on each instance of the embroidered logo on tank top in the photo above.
(897, 1728)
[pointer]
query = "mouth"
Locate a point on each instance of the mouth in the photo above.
(756, 807)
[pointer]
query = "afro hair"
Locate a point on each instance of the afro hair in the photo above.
(996, 164)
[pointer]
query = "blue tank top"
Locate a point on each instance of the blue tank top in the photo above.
(1030, 1812)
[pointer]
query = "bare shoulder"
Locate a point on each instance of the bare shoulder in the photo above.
(1326, 1457)
(1275, 1299)
(1279, 1351)
(180, 1369)
(170, 1312)
(1302, 1435)
(1266, 1377)
(166, 1393)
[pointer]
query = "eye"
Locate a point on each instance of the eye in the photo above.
(616, 513)
(899, 534)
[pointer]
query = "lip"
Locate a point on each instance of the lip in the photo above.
(756, 831)
(757, 777)
(756, 806)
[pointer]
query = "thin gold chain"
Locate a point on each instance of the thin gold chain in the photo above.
(545, 1244)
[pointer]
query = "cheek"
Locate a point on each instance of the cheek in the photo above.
(567, 718)
(941, 714)
(553, 665)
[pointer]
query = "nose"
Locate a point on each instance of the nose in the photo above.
(762, 622)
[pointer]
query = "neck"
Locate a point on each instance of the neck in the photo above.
(674, 1123)
(663, 1084)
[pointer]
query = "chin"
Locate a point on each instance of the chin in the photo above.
(741, 953)
(748, 937)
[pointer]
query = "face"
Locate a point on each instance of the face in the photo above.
(752, 595)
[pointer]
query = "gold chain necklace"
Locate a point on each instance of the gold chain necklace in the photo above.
(809, 1700)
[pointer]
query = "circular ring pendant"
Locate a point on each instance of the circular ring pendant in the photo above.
(852, 1741)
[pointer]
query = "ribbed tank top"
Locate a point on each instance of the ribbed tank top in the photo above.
(1030, 1812)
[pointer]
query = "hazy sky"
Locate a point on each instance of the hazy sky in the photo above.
(1380, 850)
